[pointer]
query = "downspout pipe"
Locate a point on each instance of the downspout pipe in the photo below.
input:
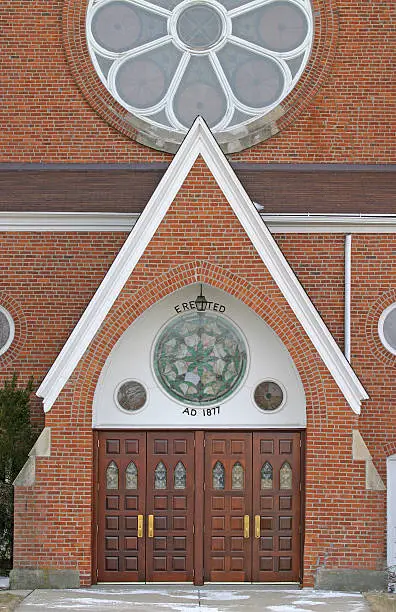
(347, 302)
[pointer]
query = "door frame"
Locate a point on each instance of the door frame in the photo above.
(198, 541)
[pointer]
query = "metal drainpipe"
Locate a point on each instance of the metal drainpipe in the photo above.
(347, 304)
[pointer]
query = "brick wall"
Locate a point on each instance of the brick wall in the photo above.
(344, 115)
(345, 524)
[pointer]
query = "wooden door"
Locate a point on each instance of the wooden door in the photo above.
(121, 499)
(170, 501)
(228, 507)
(276, 507)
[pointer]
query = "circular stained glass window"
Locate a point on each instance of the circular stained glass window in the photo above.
(200, 358)
(131, 396)
(6, 330)
(268, 395)
(387, 328)
(230, 61)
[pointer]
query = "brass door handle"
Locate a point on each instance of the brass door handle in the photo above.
(150, 530)
(140, 525)
(246, 530)
(257, 526)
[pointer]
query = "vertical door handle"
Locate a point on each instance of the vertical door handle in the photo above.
(140, 525)
(257, 526)
(150, 525)
(246, 530)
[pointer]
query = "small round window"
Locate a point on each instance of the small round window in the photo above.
(387, 328)
(268, 395)
(131, 396)
(6, 330)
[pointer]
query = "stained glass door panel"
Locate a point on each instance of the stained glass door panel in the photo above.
(228, 499)
(277, 506)
(121, 464)
(170, 501)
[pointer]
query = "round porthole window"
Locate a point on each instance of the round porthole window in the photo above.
(7, 330)
(200, 359)
(268, 395)
(131, 396)
(230, 61)
(387, 328)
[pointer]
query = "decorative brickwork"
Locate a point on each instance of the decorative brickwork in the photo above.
(344, 116)
(373, 290)
(344, 523)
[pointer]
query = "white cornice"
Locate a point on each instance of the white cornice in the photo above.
(199, 141)
(31, 221)
(304, 223)
(310, 223)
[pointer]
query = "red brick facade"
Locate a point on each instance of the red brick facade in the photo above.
(344, 114)
(344, 523)
(56, 111)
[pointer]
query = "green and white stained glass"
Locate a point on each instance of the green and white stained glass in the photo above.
(200, 358)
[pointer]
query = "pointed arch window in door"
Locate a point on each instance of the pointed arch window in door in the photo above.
(218, 476)
(131, 476)
(238, 476)
(112, 476)
(286, 476)
(267, 476)
(179, 476)
(160, 476)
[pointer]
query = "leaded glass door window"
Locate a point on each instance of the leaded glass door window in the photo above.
(230, 61)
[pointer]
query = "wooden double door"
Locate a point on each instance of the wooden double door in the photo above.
(199, 506)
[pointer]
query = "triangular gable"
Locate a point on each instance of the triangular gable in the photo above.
(200, 141)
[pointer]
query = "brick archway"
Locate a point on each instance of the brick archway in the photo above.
(131, 304)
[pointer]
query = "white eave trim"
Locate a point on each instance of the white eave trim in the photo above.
(199, 141)
(303, 223)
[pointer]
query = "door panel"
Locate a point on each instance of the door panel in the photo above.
(276, 504)
(249, 513)
(227, 540)
(121, 499)
(170, 500)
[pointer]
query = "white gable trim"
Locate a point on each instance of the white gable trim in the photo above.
(199, 141)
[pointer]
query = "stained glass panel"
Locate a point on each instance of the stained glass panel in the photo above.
(160, 476)
(238, 476)
(268, 395)
(112, 476)
(286, 476)
(200, 358)
(131, 395)
(218, 475)
(179, 476)
(131, 476)
(267, 476)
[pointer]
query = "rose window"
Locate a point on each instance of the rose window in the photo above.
(230, 61)
(200, 358)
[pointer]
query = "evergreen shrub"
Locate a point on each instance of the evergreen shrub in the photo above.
(17, 437)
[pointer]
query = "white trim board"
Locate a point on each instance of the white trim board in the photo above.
(199, 141)
(304, 223)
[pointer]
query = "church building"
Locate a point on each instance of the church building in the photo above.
(198, 254)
